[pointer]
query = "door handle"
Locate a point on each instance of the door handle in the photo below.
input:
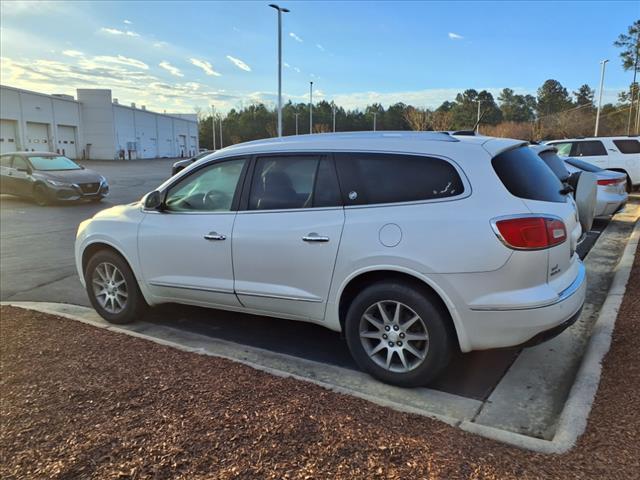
(314, 237)
(214, 236)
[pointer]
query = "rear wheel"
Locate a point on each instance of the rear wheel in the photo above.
(399, 334)
(113, 289)
(40, 195)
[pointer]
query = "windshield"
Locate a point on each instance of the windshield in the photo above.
(582, 165)
(53, 163)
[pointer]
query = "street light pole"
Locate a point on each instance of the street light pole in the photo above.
(220, 131)
(213, 126)
(297, 115)
(604, 64)
(310, 107)
(478, 119)
(280, 12)
(634, 91)
(375, 115)
(334, 117)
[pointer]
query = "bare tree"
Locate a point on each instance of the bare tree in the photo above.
(416, 118)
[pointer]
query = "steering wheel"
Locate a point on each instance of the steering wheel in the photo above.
(214, 199)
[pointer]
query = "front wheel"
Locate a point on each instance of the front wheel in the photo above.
(40, 195)
(398, 334)
(113, 289)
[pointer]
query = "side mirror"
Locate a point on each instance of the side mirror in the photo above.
(153, 201)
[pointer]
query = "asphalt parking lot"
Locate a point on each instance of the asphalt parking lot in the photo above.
(36, 252)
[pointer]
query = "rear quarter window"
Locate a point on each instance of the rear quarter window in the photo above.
(627, 146)
(588, 148)
(526, 175)
(375, 178)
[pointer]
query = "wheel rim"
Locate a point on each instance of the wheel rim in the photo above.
(40, 196)
(394, 336)
(109, 288)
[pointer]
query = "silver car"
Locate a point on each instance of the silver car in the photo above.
(48, 177)
(611, 195)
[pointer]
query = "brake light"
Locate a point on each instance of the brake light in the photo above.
(611, 181)
(530, 233)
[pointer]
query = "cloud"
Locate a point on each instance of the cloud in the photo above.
(295, 37)
(160, 44)
(128, 22)
(293, 68)
(115, 31)
(239, 63)
(205, 66)
(120, 59)
(72, 53)
(320, 47)
(455, 36)
(171, 69)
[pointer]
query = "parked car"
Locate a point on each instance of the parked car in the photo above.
(182, 164)
(581, 184)
(611, 194)
(412, 244)
(621, 154)
(47, 177)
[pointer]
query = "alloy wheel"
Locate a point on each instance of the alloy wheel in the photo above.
(394, 336)
(109, 288)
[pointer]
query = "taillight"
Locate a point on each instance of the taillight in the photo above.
(530, 233)
(611, 181)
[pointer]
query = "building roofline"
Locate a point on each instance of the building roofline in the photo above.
(48, 95)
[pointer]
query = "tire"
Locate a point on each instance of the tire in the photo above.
(436, 350)
(40, 195)
(117, 305)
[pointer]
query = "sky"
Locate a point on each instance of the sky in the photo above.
(184, 56)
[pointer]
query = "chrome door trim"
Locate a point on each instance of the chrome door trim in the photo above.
(281, 297)
(191, 287)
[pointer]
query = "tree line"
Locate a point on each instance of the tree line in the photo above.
(554, 112)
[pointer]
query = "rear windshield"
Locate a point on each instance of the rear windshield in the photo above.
(554, 162)
(582, 165)
(526, 175)
(628, 146)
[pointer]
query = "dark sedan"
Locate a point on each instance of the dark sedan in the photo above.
(182, 164)
(48, 177)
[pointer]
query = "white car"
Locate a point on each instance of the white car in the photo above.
(412, 244)
(611, 195)
(621, 154)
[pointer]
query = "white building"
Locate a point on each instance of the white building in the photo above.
(93, 126)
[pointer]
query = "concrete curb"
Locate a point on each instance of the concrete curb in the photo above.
(573, 418)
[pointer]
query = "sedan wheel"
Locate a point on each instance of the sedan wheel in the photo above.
(40, 195)
(110, 288)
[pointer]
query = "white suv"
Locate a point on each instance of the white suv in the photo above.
(621, 154)
(412, 244)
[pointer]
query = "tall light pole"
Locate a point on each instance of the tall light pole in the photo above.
(604, 64)
(220, 119)
(478, 119)
(375, 115)
(213, 126)
(334, 117)
(310, 107)
(297, 115)
(634, 90)
(280, 12)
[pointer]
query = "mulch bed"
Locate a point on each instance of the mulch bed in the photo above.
(79, 402)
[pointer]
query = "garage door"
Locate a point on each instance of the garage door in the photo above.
(67, 141)
(193, 147)
(38, 137)
(8, 137)
(182, 146)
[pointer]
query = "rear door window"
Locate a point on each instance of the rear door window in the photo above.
(526, 175)
(627, 146)
(5, 161)
(588, 148)
(564, 149)
(374, 178)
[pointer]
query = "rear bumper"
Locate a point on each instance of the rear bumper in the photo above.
(609, 203)
(509, 327)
